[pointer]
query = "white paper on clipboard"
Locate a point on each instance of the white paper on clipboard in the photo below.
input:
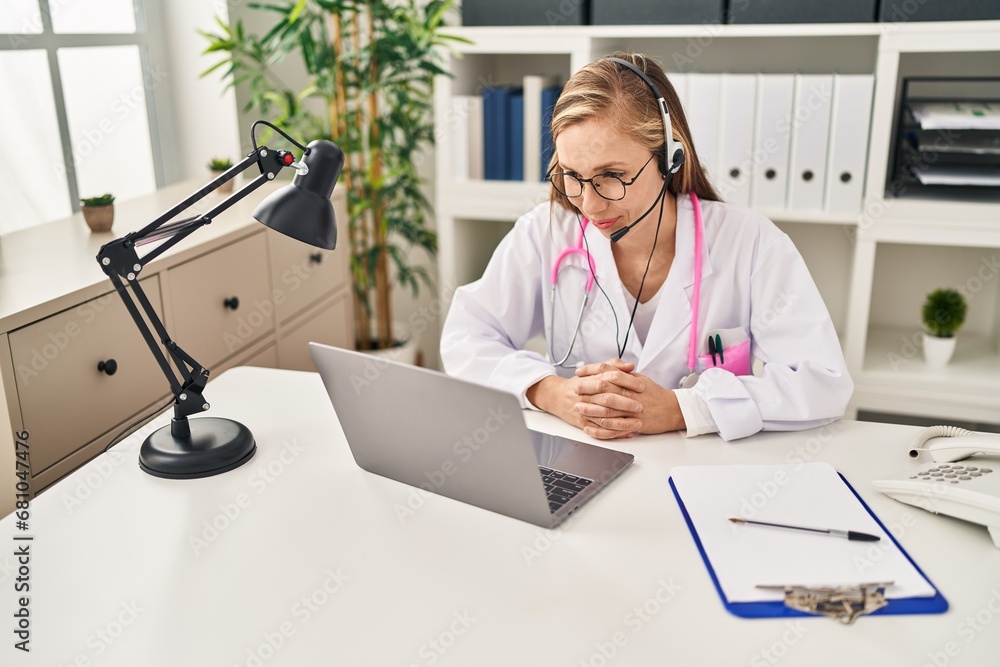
(811, 494)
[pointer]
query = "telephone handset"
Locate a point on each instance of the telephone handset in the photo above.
(952, 485)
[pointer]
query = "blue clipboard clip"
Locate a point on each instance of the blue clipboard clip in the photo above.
(841, 603)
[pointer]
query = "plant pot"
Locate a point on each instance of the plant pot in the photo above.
(938, 351)
(226, 187)
(99, 218)
(404, 351)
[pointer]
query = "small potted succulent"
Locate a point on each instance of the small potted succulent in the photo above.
(217, 165)
(99, 212)
(943, 314)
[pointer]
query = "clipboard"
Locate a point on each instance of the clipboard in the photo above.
(870, 600)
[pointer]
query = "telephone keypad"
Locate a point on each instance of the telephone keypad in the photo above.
(952, 472)
(964, 489)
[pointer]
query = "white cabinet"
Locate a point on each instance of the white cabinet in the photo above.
(874, 260)
(79, 371)
(221, 301)
(75, 371)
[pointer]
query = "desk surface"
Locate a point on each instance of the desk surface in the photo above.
(301, 558)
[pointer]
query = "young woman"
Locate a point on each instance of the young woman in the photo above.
(654, 297)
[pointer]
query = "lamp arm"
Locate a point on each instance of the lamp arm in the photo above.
(187, 388)
(120, 261)
(176, 232)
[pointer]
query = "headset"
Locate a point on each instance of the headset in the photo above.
(672, 158)
(674, 155)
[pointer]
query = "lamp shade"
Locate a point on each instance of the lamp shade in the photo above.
(303, 209)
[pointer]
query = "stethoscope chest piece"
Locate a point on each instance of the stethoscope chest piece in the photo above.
(689, 380)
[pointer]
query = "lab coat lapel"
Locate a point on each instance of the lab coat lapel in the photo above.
(673, 315)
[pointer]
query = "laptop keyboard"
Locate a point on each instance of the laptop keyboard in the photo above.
(561, 487)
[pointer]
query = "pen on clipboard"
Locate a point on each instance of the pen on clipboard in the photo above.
(849, 534)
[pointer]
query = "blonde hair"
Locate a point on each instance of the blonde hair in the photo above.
(607, 90)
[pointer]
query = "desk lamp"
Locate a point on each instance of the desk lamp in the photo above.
(188, 449)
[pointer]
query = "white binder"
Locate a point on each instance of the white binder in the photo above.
(769, 176)
(848, 152)
(533, 85)
(810, 136)
(703, 104)
(476, 140)
(459, 120)
(736, 130)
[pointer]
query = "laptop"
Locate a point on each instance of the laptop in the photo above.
(458, 439)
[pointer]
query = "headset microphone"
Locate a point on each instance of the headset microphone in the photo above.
(678, 161)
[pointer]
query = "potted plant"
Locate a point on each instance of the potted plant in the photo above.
(371, 64)
(943, 314)
(99, 212)
(217, 165)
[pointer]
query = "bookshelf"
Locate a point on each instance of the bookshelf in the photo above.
(873, 266)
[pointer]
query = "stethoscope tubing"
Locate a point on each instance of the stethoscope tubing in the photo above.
(592, 275)
(696, 291)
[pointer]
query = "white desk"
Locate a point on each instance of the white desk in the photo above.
(310, 562)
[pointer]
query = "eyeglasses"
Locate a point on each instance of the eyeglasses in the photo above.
(607, 185)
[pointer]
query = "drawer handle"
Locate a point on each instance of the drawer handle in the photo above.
(232, 303)
(109, 367)
(316, 258)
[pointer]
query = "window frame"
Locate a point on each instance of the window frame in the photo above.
(152, 53)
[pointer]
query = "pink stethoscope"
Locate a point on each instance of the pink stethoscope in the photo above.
(578, 249)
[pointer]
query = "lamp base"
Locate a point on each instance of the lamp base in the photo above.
(214, 446)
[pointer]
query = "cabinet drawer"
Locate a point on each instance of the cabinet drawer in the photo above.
(330, 325)
(303, 274)
(66, 401)
(221, 302)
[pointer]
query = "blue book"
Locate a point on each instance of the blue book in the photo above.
(515, 136)
(549, 97)
(496, 148)
(492, 128)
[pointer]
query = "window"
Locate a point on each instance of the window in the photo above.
(77, 119)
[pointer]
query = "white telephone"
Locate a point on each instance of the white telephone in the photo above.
(969, 490)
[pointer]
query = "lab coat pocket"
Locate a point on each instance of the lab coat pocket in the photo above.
(734, 356)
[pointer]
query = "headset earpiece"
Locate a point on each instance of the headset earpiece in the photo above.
(678, 159)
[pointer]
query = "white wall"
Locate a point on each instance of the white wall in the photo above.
(203, 117)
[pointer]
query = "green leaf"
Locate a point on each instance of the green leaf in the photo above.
(299, 8)
(213, 68)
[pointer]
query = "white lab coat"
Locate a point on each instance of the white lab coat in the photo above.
(754, 281)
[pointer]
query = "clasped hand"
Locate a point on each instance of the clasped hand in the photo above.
(608, 400)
